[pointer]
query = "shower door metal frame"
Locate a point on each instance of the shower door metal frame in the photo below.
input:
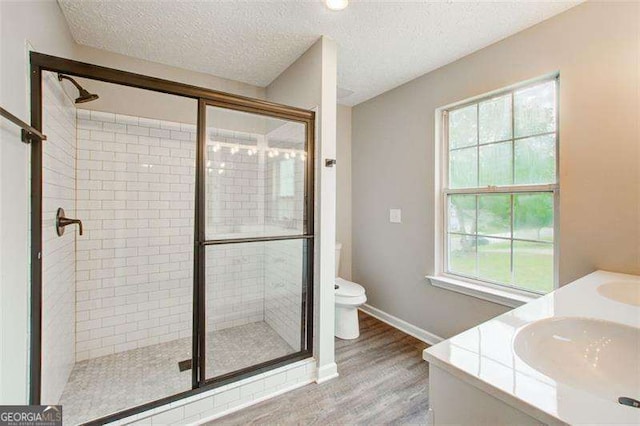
(42, 62)
(306, 339)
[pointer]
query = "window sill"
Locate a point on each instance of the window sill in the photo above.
(505, 297)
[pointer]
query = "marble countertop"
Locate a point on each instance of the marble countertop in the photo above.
(484, 356)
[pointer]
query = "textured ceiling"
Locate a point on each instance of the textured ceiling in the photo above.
(381, 44)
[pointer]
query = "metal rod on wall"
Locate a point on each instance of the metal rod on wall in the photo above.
(28, 132)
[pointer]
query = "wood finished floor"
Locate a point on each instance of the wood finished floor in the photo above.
(383, 380)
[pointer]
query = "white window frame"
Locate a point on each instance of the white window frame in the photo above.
(503, 294)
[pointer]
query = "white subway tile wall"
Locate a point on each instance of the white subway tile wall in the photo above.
(235, 207)
(235, 185)
(58, 261)
(234, 285)
(134, 264)
(135, 194)
(284, 260)
(283, 289)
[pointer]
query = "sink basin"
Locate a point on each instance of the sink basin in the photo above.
(627, 292)
(599, 357)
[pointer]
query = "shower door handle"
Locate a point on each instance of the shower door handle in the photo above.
(62, 221)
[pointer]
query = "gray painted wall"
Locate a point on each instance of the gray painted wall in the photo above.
(595, 47)
(343, 188)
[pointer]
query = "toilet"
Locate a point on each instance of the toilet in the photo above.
(349, 296)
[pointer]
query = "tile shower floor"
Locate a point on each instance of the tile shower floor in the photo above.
(112, 383)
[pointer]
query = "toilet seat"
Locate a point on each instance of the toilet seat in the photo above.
(349, 293)
(348, 288)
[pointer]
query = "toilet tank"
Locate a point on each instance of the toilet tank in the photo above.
(338, 249)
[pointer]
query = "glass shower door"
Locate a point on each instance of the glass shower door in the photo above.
(256, 241)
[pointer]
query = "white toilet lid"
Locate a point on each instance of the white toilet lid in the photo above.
(348, 289)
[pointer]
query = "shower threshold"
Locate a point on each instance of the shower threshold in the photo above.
(109, 384)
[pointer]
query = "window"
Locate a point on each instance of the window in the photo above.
(500, 189)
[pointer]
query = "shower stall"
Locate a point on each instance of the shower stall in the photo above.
(194, 267)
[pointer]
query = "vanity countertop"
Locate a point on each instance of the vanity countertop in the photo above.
(486, 356)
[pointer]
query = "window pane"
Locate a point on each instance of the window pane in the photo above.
(254, 297)
(533, 266)
(463, 127)
(463, 168)
(535, 109)
(495, 119)
(462, 214)
(494, 259)
(495, 164)
(494, 215)
(536, 160)
(533, 216)
(255, 169)
(462, 255)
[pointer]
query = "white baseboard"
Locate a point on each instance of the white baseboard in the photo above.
(327, 372)
(402, 325)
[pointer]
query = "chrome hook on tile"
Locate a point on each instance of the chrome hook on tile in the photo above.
(62, 221)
